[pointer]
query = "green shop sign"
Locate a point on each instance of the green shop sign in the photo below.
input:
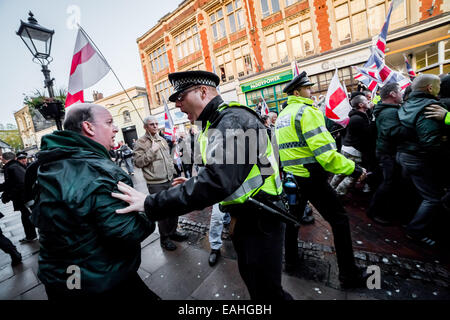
(268, 81)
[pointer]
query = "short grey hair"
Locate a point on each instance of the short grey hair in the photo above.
(149, 118)
(423, 80)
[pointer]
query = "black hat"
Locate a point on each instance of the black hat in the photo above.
(301, 80)
(186, 79)
(21, 155)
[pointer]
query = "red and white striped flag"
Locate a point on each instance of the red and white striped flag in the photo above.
(337, 105)
(295, 70)
(88, 67)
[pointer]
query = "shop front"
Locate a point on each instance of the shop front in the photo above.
(270, 88)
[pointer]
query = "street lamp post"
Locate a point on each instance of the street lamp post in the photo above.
(39, 41)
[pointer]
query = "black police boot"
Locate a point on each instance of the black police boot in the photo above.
(214, 257)
(16, 258)
(179, 237)
(168, 245)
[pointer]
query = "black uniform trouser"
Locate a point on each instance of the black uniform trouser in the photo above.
(131, 289)
(6, 245)
(318, 191)
(168, 226)
(30, 230)
(258, 242)
(291, 235)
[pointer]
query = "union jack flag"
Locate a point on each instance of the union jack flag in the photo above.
(410, 70)
(380, 46)
(387, 75)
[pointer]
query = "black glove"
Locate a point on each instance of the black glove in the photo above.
(5, 198)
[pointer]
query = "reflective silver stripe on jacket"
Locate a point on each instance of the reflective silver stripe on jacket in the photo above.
(295, 162)
(298, 127)
(324, 149)
(246, 187)
(314, 132)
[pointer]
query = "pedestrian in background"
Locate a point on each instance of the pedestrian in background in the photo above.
(14, 190)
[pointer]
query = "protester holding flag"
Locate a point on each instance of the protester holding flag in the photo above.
(151, 154)
(358, 143)
(308, 151)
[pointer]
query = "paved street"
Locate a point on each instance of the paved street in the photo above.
(408, 271)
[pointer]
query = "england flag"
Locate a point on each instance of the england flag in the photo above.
(336, 101)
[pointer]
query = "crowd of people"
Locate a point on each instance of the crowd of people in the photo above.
(394, 144)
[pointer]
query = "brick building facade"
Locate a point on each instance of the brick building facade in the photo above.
(251, 43)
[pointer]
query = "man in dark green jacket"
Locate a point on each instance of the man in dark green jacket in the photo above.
(87, 250)
(389, 132)
(424, 155)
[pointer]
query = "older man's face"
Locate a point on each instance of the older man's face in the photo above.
(104, 128)
(151, 127)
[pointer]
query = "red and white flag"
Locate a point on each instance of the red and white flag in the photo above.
(88, 67)
(337, 104)
(295, 70)
(264, 108)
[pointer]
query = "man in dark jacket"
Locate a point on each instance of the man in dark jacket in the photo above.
(87, 251)
(389, 132)
(14, 189)
(424, 155)
(257, 234)
(358, 142)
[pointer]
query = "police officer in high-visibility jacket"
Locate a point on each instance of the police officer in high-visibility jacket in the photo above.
(308, 151)
(239, 170)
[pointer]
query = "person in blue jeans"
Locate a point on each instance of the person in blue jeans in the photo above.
(218, 219)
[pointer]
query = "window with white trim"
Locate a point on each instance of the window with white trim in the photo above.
(225, 65)
(235, 16)
(187, 42)
(243, 60)
(277, 47)
(269, 7)
(163, 90)
(301, 38)
(158, 59)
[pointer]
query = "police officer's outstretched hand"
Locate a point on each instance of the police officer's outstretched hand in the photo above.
(134, 198)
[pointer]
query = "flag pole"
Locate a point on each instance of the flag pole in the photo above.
(104, 59)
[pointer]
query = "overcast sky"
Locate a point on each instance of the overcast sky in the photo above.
(114, 26)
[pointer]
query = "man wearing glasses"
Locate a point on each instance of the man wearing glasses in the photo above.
(152, 155)
(241, 187)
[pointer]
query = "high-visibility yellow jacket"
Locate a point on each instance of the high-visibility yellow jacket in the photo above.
(303, 138)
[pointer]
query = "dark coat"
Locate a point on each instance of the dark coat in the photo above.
(430, 136)
(389, 129)
(360, 134)
(14, 185)
(76, 216)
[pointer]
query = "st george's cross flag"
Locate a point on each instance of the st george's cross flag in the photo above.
(87, 68)
(337, 105)
(295, 70)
